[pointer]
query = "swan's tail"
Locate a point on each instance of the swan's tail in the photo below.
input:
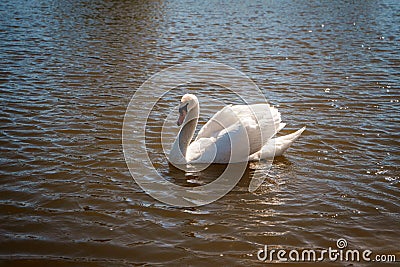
(277, 146)
(282, 143)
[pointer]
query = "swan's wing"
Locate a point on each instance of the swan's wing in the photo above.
(261, 121)
(280, 127)
(222, 119)
(202, 150)
(230, 140)
(250, 115)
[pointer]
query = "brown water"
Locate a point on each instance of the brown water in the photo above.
(69, 68)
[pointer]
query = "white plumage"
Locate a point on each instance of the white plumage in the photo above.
(234, 134)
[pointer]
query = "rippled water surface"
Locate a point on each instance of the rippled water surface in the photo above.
(69, 68)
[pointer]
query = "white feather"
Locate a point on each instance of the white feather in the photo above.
(234, 134)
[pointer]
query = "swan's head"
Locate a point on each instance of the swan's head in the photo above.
(188, 102)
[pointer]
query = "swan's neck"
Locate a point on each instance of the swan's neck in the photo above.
(185, 135)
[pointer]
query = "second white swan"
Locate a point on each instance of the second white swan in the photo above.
(236, 133)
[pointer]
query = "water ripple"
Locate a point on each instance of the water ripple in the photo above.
(68, 70)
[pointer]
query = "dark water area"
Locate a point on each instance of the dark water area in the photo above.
(68, 70)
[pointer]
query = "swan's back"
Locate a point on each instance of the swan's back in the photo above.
(260, 122)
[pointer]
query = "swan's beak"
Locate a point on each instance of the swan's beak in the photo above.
(181, 118)
(182, 113)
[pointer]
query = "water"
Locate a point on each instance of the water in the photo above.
(69, 68)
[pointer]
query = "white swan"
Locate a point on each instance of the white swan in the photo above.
(249, 129)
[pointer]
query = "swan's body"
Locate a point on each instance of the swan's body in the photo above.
(234, 134)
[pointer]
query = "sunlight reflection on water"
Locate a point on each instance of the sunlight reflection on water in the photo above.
(69, 69)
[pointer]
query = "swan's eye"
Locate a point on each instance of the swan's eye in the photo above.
(183, 108)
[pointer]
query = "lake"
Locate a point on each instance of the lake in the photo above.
(68, 70)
